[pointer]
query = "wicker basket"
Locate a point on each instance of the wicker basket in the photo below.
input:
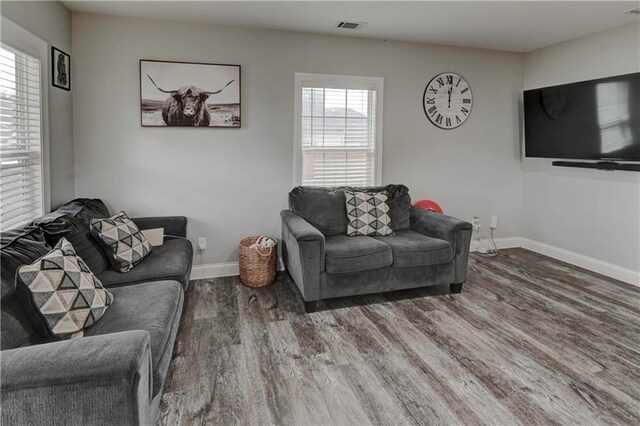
(257, 266)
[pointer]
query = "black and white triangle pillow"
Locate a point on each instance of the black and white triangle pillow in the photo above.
(60, 294)
(368, 213)
(121, 240)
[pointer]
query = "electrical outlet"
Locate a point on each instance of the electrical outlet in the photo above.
(476, 223)
(494, 222)
(202, 243)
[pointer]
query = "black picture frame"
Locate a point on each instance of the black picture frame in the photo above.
(60, 69)
(225, 115)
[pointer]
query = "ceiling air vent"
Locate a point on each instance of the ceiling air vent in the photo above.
(348, 25)
(634, 12)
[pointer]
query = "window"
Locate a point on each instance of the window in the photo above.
(338, 130)
(22, 189)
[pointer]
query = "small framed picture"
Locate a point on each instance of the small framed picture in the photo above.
(60, 69)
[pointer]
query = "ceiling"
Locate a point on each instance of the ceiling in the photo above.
(516, 26)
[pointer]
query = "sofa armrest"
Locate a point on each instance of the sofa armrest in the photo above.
(173, 225)
(455, 231)
(91, 380)
(303, 253)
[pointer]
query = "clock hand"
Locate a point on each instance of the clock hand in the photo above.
(450, 90)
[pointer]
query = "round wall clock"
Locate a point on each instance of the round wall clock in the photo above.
(447, 100)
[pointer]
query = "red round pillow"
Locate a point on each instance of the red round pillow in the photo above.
(429, 205)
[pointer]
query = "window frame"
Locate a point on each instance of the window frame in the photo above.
(335, 81)
(20, 39)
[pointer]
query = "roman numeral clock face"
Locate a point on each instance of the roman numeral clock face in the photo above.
(447, 100)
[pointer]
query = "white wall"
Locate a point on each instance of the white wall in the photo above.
(590, 212)
(51, 21)
(233, 182)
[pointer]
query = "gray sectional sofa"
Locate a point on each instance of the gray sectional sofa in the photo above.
(116, 372)
(427, 249)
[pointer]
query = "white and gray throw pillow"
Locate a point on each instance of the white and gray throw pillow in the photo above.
(368, 213)
(122, 241)
(60, 294)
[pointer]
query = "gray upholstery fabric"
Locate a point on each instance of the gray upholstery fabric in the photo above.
(429, 248)
(154, 307)
(324, 208)
(170, 261)
(175, 226)
(455, 231)
(303, 253)
(411, 249)
(94, 379)
(154, 406)
(85, 209)
(383, 280)
(352, 254)
(102, 380)
(18, 247)
(72, 222)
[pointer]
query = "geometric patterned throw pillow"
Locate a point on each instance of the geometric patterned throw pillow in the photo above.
(368, 213)
(60, 294)
(121, 240)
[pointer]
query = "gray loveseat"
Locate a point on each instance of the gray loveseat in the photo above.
(116, 372)
(427, 249)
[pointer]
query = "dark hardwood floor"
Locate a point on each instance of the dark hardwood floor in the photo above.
(530, 340)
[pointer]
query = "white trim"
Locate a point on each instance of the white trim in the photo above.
(342, 82)
(226, 269)
(592, 264)
(502, 243)
(215, 270)
(17, 37)
(611, 270)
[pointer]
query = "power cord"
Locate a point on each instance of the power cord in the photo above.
(490, 252)
(494, 251)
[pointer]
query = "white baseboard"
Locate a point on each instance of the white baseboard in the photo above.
(502, 243)
(227, 269)
(215, 270)
(592, 264)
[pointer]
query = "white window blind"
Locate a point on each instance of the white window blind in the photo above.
(21, 189)
(338, 133)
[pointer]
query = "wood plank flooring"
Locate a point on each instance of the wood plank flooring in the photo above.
(530, 340)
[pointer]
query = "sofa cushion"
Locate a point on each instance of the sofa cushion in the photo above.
(170, 261)
(71, 221)
(154, 307)
(399, 203)
(18, 247)
(60, 294)
(122, 241)
(354, 254)
(324, 208)
(368, 213)
(411, 248)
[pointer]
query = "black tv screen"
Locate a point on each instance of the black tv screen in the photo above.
(589, 120)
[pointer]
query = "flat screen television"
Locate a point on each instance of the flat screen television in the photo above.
(588, 120)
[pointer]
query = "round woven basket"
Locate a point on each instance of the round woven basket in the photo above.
(257, 266)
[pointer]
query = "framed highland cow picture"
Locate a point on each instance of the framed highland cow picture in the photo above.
(189, 94)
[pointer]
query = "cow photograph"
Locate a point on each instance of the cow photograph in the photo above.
(185, 94)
